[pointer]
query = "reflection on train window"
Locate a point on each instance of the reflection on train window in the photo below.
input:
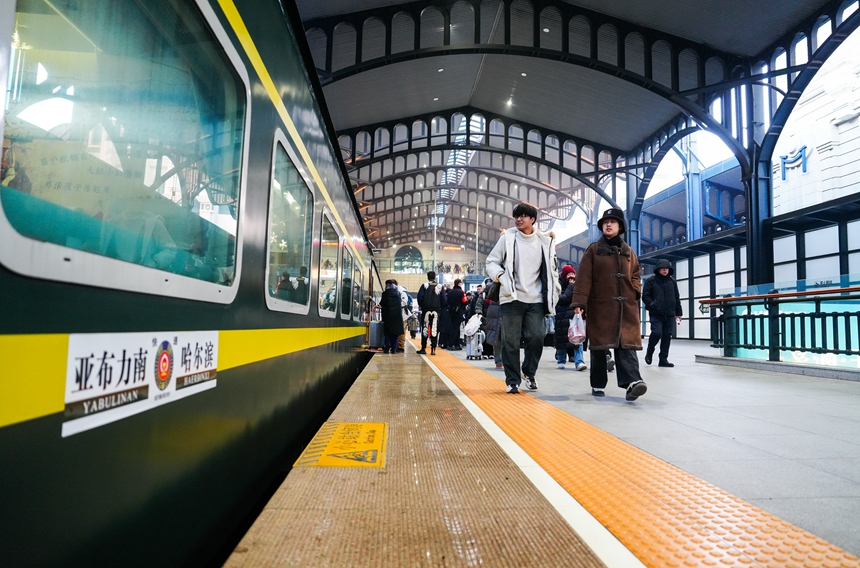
(356, 293)
(346, 285)
(123, 135)
(329, 245)
(290, 232)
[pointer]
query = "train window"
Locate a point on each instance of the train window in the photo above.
(346, 285)
(356, 293)
(291, 215)
(124, 136)
(329, 247)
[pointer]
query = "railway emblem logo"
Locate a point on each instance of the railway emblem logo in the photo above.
(163, 365)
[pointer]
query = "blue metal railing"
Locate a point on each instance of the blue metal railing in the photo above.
(814, 326)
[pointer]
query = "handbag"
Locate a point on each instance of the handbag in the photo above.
(492, 291)
(576, 331)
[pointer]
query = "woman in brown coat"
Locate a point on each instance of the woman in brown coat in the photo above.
(608, 287)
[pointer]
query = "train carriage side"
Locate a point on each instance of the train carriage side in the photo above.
(182, 271)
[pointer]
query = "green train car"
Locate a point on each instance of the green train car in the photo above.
(182, 274)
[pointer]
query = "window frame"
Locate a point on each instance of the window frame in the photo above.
(276, 304)
(335, 313)
(352, 264)
(37, 259)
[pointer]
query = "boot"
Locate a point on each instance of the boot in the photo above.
(665, 363)
(422, 351)
(649, 356)
(432, 351)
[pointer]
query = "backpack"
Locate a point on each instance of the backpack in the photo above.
(432, 302)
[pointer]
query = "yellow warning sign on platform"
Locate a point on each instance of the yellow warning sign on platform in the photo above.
(346, 444)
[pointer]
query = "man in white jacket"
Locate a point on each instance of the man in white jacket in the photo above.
(524, 263)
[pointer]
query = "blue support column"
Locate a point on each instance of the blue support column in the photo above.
(633, 214)
(759, 243)
(695, 210)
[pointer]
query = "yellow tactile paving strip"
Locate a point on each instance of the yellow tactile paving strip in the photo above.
(662, 514)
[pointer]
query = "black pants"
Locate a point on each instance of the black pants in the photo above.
(661, 331)
(430, 323)
(626, 368)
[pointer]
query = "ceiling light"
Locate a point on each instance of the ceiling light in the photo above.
(435, 98)
(546, 30)
(523, 74)
(510, 102)
(440, 70)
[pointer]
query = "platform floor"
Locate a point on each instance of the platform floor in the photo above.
(714, 466)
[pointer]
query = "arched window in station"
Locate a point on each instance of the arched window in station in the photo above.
(605, 161)
(551, 154)
(381, 142)
(688, 70)
(535, 141)
(317, 42)
(477, 130)
(587, 159)
(550, 28)
(462, 24)
(515, 138)
(799, 52)
(570, 154)
(402, 33)
(372, 39)
(345, 144)
(497, 133)
(432, 28)
(822, 31)
(715, 71)
(661, 63)
(607, 44)
(846, 9)
(438, 131)
(362, 146)
(579, 34)
(419, 134)
(779, 61)
(492, 21)
(634, 53)
(522, 23)
(343, 48)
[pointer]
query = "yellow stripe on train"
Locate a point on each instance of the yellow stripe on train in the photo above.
(33, 367)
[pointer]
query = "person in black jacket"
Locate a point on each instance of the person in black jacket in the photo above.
(392, 322)
(456, 301)
(565, 350)
(431, 301)
(664, 309)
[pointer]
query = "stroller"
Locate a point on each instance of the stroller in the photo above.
(474, 337)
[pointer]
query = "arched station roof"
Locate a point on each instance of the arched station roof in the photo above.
(448, 112)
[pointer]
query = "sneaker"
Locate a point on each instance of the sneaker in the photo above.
(531, 383)
(581, 367)
(635, 390)
(597, 392)
(561, 365)
(422, 352)
(649, 357)
(513, 389)
(665, 363)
